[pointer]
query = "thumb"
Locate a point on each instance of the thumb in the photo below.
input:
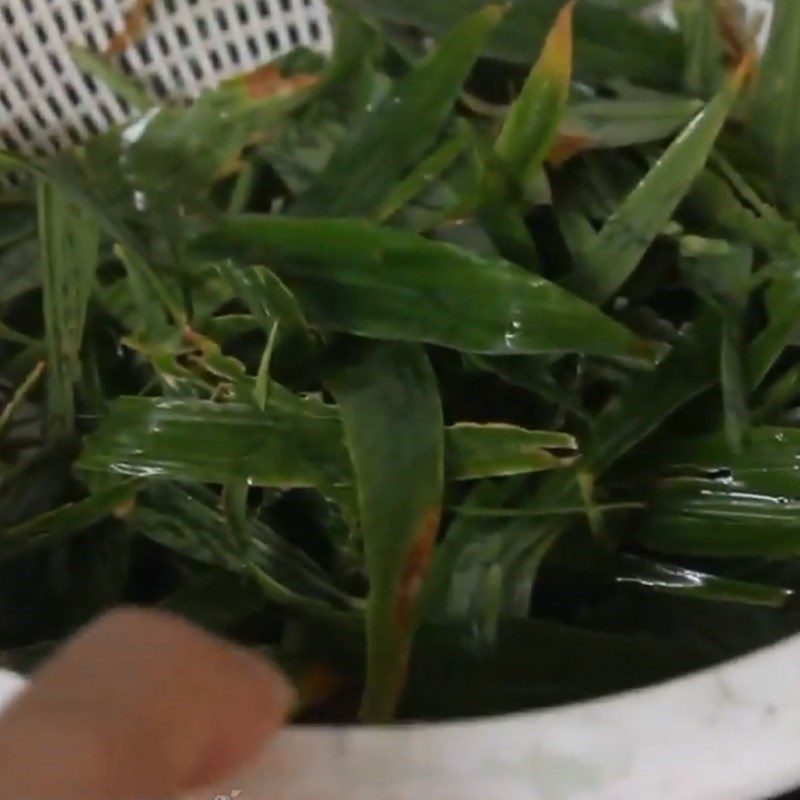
(139, 705)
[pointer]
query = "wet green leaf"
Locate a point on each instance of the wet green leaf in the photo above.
(775, 107)
(712, 518)
(481, 451)
(152, 437)
(697, 20)
(428, 170)
(621, 123)
(767, 464)
(685, 373)
(351, 276)
(275, 447)
(618, 248)
(698, 585)
(610, 41)
(186, 521)
(68, 241)
(393, 426)
(532, 122)
(394, 135)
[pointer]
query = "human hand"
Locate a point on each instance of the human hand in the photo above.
(138, 705)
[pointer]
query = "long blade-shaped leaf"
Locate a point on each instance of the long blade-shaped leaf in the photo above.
(58, 525)
(698, 585)
(767, 465)
(393, 426)
(601, 124)
(610, 42)
(697, 20)
(275, 447)
(618, 248)
(349, 275)
(775, 113)
(533, 119)
(480, 451)
(710, 518)
(187, 522)
(395, 134)
(292, 442)
(69, 239)
(688, 371)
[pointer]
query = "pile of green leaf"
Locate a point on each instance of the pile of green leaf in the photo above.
(457, 385)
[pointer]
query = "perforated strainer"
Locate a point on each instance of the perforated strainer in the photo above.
(186, 46)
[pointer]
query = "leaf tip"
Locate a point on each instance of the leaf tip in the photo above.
(556, 57)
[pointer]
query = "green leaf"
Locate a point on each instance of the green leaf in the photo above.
(697, 20)
(685, 373)
(783, 309)
(697, 585)
(723, 502)
(518, 545)
(68, 240)
(618, 248)
(721, 274)
(422, 176)
(710, 518)
(187, 521)
(775, 108)
(292, 442)
(155, 437)
(351, 276)
(583, 560)
(392, 419)
(395, 134)
(600, 124)
(57, 526)
(270, 302)
(767, 464)
(157, 305)
(480, 451)
(735, 389)
(532, 122)
(610, 42)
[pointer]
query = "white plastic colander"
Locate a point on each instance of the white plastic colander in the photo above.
(186, 46)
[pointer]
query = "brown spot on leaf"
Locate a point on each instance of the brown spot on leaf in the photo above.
(414, 569)
(267, 81)
(568, 145)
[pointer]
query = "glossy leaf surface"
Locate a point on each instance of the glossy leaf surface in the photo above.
(351, 276)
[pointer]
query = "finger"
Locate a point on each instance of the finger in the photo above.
(140, 704)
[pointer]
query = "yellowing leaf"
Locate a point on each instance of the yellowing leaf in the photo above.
(267, 81)
(533, 119)
(392, 419)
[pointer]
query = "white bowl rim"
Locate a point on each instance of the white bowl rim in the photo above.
(728, 732)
